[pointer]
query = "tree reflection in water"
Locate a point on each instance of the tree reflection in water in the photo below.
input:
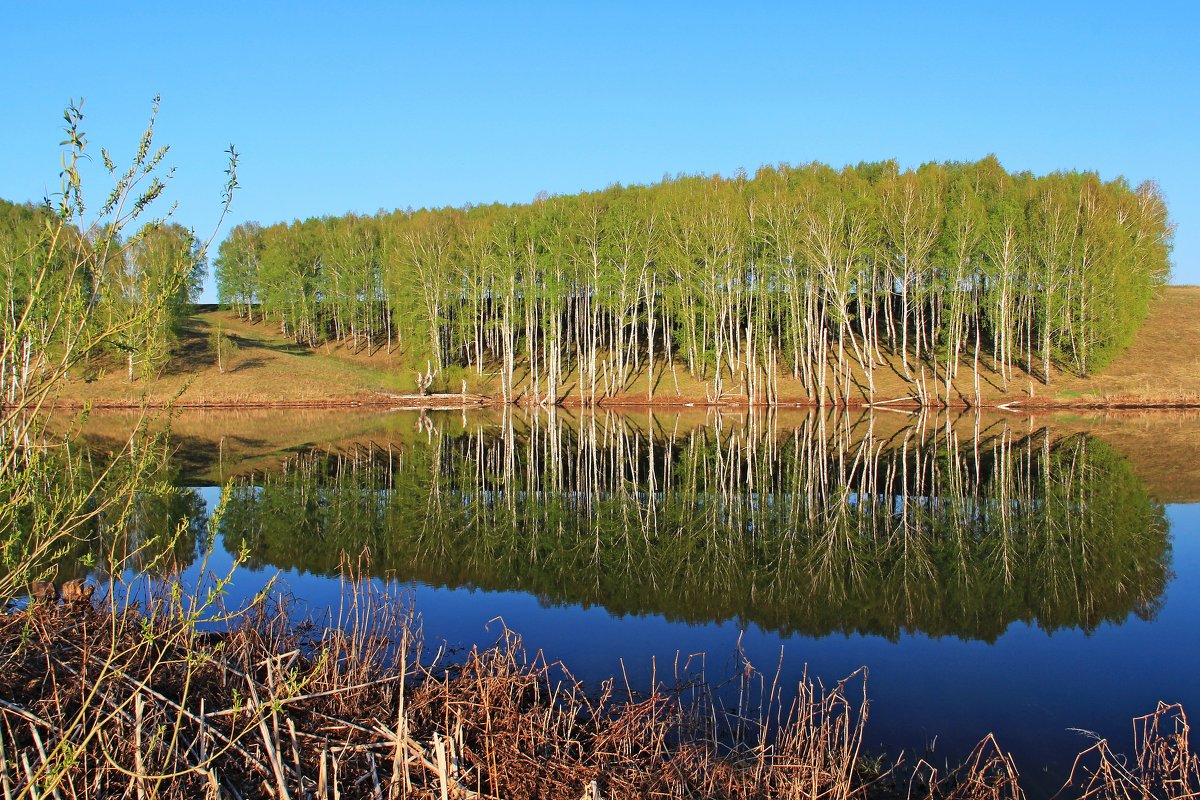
(826, 524)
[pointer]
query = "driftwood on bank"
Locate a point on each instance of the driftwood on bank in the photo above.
(441, 400)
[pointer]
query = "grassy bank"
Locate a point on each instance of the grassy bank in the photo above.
(259, 367)
(108, 700)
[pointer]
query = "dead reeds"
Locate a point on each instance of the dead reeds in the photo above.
(1163, 765)
(142, 702)
(153, 702)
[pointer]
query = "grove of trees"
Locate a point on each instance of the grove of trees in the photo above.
(137, 289)
(827, 276)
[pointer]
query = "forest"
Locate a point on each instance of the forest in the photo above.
(818, 277)
(66, 288)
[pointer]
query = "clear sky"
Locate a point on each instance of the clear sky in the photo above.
(341, 107)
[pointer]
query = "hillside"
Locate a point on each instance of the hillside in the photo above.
(262, 368)
(1161, 366)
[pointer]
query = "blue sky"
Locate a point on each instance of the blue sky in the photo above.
(388, 105)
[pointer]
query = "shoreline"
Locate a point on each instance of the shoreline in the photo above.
(494, 721)
(456, 402)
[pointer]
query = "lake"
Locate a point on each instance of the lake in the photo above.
(1032, 577)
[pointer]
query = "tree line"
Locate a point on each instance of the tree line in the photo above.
(829, 277)
(130, 292)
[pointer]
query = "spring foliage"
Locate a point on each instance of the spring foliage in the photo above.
(827, 275)
(79, 285)
(136, 290)
(79, 282)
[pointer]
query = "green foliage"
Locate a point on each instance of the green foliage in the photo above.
(237, 266)
(134, 515)
(224, 346)
(156, 279)
(807, 270)
(452, 379)
(76, 287)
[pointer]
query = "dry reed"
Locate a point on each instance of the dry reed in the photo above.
(99, 700)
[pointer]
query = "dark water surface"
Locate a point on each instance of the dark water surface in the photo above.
(993, 574)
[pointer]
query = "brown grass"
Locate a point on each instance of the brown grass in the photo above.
(110, 702)
(140, 702)
(1163, 765)
(265, 370)
(1162, 366)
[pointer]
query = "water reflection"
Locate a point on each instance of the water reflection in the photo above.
(134, 512)
(819, 525)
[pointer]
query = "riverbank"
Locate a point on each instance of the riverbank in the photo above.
(103, 700)
(259, 368)
(141, 700)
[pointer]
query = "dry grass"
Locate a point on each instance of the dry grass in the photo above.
(1163, 765)
(142, 703)
(116, 702)
(1161, 366)
(265, 370)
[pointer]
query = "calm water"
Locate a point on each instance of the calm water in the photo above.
(994, 575)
